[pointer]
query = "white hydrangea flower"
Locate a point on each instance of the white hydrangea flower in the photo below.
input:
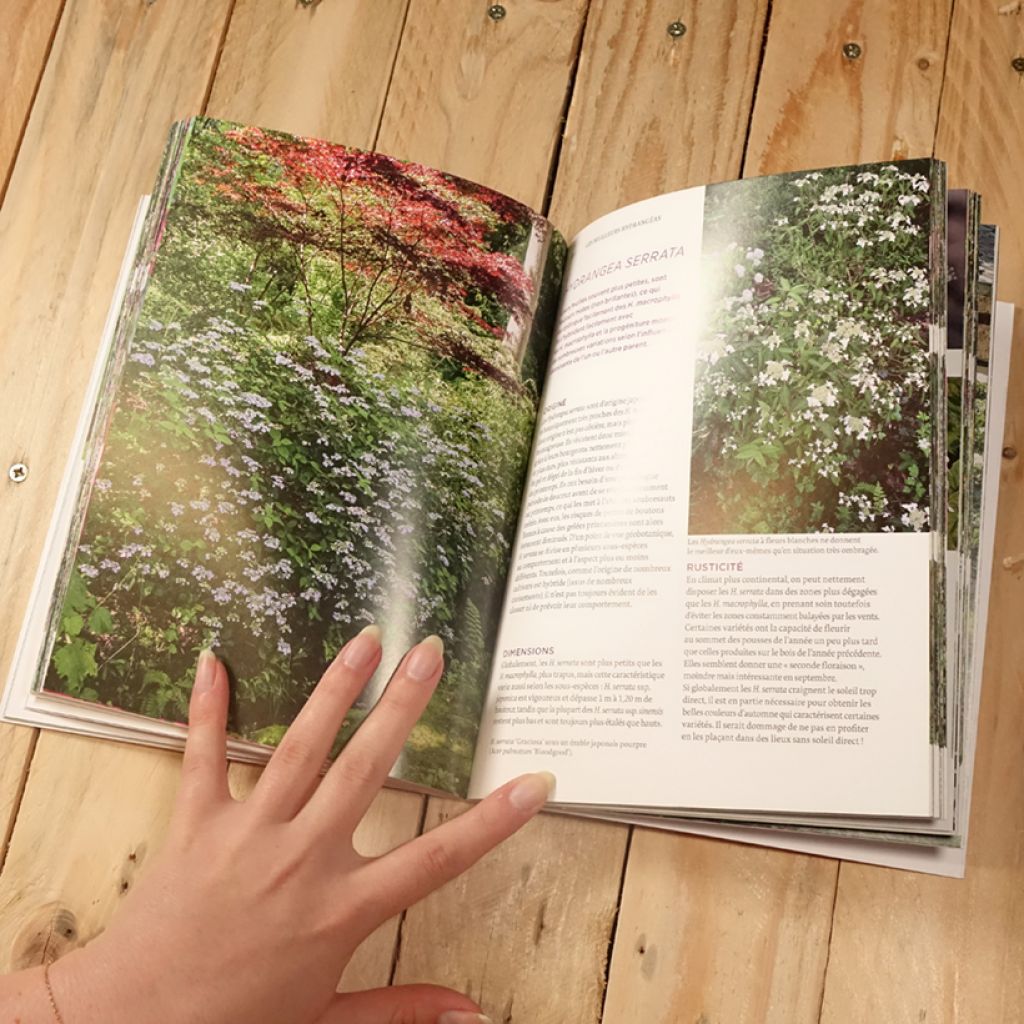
(822, 395)
(914, 516)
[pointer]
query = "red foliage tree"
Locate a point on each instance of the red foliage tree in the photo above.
(396, 233)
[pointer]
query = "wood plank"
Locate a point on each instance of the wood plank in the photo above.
(94, 814)
(484, 98)
(651, 113)
(117, 77)
(690, 907)
(16, 747)
(940, 950)
(26, 30)
(321, 70)
(816, 107)
(525, 932)
(112, 69)
(59, 260)
(263, 46)
(693, 909)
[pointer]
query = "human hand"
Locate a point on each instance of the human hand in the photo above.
(251, 910)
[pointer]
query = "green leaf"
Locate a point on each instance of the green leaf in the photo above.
(72, 623)
(271, 735)
(101, 621)
(78, 598)
(75, 662)
(752, 451)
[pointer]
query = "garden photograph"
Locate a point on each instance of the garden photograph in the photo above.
(813, 384)
(323, 420)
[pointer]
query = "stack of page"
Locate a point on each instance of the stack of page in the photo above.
(702, 505)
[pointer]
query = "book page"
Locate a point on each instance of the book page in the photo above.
(944, 860)
(721, 589)
(320, 418)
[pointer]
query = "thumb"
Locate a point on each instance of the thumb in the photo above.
(404, 1004)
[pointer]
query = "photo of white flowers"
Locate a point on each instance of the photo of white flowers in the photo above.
(812, 406)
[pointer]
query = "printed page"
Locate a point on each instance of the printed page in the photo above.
(320, 417)
(943, 860)
(720, 594)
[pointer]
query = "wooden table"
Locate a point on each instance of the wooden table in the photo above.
(577, 107)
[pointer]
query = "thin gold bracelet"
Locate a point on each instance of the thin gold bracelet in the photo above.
(49, 991)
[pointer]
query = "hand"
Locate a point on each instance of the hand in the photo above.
(252, 910)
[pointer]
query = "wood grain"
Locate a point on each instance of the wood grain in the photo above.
(16, 747)
(694, 909)
(482, 98)
(940, 950)
(816, 107)
(321, 70)
(526, 931)
(82, 165)
(26, 30)
(118, 76)
(651, 113)
(25, 37)
(92, 816)
(262, 45)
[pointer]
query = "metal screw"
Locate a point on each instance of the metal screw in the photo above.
(851, 51)
(676, 29)
(18, 472)
(496, 12)
(1009, 452)
(924, 63)
(1018, 65)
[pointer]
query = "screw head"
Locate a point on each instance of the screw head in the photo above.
(676, 29)
(496, 12)
(851, 51)
(18, 472)
(1009, 452)
(1018, 65)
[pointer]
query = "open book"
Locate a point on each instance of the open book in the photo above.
(676, 497)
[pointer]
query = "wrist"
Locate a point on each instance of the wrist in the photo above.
(23, 996)
(82, 987)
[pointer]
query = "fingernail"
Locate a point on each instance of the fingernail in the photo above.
(206, 671)
(532, 791)
(425, 659)
(358, 654)
(463, 1017)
